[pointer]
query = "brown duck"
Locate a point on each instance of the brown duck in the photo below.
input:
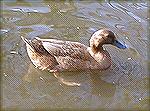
(57, 55)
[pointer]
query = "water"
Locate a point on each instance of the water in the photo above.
(123, 86)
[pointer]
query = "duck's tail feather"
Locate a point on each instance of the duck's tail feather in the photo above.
(25, 40)
(35, 45)
(28, 42)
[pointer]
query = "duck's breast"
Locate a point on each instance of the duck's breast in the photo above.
(103, 60)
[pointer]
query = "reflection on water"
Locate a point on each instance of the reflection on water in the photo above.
(123, 86)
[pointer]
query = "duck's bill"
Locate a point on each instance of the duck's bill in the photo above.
(119, 45)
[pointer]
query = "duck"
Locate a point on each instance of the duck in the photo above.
(59, 55)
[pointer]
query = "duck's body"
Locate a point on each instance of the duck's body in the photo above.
(58, 55)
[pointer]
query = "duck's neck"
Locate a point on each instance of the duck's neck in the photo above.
(96, 49)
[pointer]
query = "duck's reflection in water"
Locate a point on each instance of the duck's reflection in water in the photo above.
(89, 81)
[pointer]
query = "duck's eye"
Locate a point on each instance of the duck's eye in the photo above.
(107, 35)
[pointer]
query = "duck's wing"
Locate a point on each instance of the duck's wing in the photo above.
(58, 48)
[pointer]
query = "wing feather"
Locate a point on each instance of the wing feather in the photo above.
(66, 48)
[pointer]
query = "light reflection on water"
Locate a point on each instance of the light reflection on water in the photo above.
(124, 85)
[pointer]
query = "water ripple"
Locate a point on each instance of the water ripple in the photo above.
(37, 29)
(28, 9)
(127, 11)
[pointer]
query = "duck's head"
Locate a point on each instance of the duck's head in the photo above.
(104, 36)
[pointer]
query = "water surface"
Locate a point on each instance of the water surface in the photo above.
(124, 86)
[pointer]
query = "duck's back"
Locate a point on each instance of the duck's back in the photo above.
(69, 55)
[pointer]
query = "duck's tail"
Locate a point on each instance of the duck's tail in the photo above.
(28, 42)
(35, 45)
(25, 40)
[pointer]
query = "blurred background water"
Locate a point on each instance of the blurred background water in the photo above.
(122, 87)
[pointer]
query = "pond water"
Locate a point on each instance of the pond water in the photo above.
(122, 87)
